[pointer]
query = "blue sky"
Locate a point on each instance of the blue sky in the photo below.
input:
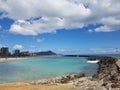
(63, 30)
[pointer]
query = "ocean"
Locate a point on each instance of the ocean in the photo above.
(44, 67)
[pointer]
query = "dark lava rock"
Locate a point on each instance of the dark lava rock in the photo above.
(108, 71)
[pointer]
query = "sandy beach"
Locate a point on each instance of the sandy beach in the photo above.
(26, 86)
(13, 58)
(21, 58)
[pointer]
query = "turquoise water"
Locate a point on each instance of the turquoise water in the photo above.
(40, 68)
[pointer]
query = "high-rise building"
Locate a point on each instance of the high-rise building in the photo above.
(4, 52)
(17, 52)
(25, 53)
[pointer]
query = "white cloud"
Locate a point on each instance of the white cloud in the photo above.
(89, 51)
(60, 14)
(103, 50)
(110, 24)
(34, 27)
(103, 29)
(40, 40)
(2, 45)
(68, 51)
(90, 30)
(29, 8)
(17, 46)
(0, 27)
(32, 46)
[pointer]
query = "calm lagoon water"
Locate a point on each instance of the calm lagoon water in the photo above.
(40, 68)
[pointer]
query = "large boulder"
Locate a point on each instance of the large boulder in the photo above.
(60, 79)
(109, 73)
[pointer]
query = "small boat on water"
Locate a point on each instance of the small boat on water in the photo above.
(91, 61)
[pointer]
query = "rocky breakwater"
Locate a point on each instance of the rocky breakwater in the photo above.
(108, 73)
(107, 77)
(58, 80)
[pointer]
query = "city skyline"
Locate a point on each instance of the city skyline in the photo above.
(66, 27)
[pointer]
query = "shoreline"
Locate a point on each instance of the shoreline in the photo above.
(12, 58)
(21, 58)
(100, 81)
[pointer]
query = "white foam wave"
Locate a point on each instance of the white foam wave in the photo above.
(96, 61)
